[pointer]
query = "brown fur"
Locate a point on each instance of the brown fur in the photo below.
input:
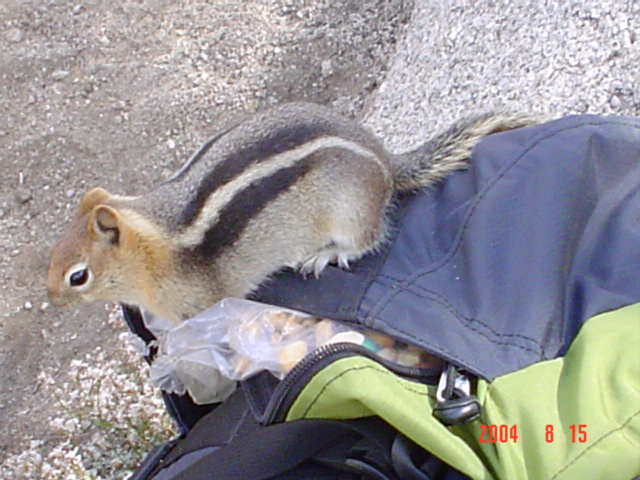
(132, 271)
(135, 252)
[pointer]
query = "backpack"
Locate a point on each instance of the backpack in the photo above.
(522, 273)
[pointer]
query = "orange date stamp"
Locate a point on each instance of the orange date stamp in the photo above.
(509, 433)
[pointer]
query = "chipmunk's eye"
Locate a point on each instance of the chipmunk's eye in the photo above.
(79, 276)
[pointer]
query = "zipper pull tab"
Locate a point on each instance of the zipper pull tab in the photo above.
(455, 403)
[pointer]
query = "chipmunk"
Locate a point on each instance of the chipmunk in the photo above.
(294, 186)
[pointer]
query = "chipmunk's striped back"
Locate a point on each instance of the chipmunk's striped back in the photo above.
(297, 186)
(231, 179)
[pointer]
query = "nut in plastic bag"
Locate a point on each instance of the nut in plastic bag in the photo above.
(230, 341)
(188, 359)
(236, 339)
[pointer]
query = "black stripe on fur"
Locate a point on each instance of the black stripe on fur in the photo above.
(247, 205)
(236, 163)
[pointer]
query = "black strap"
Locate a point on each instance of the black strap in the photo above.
(239, 448)
(285, 445)
(402, 461)
(152, 460)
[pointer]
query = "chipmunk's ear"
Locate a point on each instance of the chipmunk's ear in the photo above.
(105, 223)
(93, 197)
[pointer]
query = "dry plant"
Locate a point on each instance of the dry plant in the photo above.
(107, 415)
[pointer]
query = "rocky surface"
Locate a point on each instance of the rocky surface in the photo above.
(118, 94)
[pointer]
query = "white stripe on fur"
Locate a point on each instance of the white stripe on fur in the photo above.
(208, 216)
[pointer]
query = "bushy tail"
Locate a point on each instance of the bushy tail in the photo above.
(451, 150)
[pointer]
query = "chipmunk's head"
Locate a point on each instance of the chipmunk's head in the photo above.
(106, 254)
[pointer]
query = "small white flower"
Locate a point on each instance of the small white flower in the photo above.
(107, 398)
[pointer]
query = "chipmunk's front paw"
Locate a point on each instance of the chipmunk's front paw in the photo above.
(317, 262)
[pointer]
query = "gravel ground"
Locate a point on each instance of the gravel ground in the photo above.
(551, 57)
(118, 94)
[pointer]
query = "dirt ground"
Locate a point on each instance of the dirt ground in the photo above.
(118, 94)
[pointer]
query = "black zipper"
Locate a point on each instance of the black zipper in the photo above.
(288, 389)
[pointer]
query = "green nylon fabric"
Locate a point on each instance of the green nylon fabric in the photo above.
(597, 385)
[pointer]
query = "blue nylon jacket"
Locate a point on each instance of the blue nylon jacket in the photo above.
(499, 266)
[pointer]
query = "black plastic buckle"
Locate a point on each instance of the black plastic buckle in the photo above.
(455, 403)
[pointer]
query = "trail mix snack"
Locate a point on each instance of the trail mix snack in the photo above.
(293, 335)
(236, 339)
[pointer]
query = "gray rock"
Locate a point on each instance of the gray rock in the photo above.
(615, 102)
(14, 35)
(22, 195)
(60, 75)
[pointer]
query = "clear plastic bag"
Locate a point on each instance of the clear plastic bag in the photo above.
(233, 340)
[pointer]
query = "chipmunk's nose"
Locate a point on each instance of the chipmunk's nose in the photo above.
(55, 298)
(54, 293)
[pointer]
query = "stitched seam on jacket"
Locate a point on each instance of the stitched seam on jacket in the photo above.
(469, 320)
(357, 369)
(624, 424)
(403, 285)
(237, 428)
(491, 184)
(469, 325)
